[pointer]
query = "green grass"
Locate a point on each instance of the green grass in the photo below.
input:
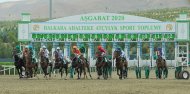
(166, 14)
(6, 63)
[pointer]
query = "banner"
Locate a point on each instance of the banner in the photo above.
(102, 27)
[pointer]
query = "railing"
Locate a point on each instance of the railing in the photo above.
(8, 68)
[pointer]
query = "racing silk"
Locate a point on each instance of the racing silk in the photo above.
(102, 51)
(46, 53)
(60, 54)
(76, 51)
(122, 54)
(32, 52)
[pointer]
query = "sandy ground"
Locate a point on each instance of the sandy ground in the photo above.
(131, 85)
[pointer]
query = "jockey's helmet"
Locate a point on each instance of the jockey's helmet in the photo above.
(17, 47)
(118, 49)
(44, 47)
(58, 48)
(99, 47)
(30, 47)
(74, 47)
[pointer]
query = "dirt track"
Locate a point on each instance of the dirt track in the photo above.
(12, 85)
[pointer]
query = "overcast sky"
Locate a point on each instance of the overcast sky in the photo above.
(2, 1)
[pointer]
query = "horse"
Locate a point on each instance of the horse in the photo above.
(101, 66)
(85, 66)
(76, 65)
(44, 64)
(121, 65)
(19, 63)
(161, 68)
(60, 64)
(31, 67)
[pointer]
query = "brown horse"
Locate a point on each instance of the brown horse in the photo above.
(44, 64)
(60, 64)
(101, 65)
(85, 66)
(31, 67)
(121, 65)
(161, 67)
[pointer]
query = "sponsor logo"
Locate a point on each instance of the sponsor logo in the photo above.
(169, 27)
(36, 27)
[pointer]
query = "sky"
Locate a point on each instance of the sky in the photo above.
(2, 1)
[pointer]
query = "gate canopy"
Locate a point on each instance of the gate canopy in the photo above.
(100, 27)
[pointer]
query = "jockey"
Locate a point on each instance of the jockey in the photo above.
(18, 49)
(60, 53)
(122, 53)
(101, 49)
(103, 52)
(32, 52)
(76, 51)
(46, 53)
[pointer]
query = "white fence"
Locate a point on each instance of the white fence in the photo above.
(8, 68)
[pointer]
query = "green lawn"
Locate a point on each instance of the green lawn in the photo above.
(6, 63)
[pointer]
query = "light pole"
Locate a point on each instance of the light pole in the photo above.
(50, 9)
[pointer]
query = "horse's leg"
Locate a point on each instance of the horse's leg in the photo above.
(126, 71)
(19, 71)
(98, 72)
(35, 70)
(49, 68)
(84, 71)
(66, 71)
(44, 71)
(61, 71)
(106, 72)
(88, 68)
(117, 71)
(159, 73)
(121, 73)
(30, 71)
(78, 73)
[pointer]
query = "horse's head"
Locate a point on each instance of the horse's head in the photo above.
(98, 54)
(116, 54)
(82, 57)
(159, 58)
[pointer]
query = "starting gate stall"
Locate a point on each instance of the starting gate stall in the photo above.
(182, 47)
(109, 27)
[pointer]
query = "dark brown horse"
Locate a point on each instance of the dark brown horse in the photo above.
(31, 67)
(76, 65)
(121, 65)
(60, 64)
(85, 66)
(101, 65)
(19, 63)
(161, 67)
(44, 64)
